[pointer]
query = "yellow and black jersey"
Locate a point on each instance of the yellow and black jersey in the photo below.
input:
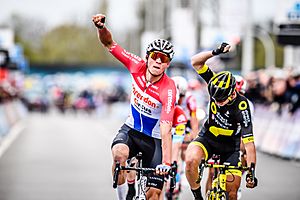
(229, 122)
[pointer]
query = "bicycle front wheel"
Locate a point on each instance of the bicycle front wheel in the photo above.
(210, 195)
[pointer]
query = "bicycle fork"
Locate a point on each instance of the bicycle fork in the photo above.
(222, 179)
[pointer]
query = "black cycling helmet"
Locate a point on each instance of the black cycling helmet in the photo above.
(163, 46)
(221, 86)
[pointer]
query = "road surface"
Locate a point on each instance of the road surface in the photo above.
(67, 157)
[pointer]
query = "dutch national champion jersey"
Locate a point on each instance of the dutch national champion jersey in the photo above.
(149, 103)
(228, 122)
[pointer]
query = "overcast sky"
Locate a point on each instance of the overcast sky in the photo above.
(55, 12)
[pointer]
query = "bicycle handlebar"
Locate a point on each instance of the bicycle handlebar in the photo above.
(226, 166)
(144, 170)
(204, 164)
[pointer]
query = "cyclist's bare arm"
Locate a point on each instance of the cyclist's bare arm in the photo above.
(166, 141)
(199, 59)
(104, 34)
(251, 158)
(251, 153)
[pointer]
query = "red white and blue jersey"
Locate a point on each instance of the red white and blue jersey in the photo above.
(151, 103)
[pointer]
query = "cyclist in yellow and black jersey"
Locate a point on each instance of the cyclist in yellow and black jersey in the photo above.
(229, 119)
(230, 122)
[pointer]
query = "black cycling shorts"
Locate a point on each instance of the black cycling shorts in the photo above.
(150, 148)
(229, 152)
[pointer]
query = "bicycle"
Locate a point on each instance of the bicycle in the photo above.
(170, 194)
(141, 176)
(218, 189)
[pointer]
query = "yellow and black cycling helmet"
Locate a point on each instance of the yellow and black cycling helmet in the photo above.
(221, 86)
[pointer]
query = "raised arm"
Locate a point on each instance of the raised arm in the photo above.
(104, 34)
(199, 59)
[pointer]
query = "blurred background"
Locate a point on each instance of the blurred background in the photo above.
(63, 96)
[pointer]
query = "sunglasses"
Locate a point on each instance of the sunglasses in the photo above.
(163, 57)
(222, 100)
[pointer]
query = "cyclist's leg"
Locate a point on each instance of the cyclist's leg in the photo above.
(120, 153)
(233, 176)
(152, 156)
(244, 163)
(153, 193)
(233, 184)
(209, 179)
(196, 151)
(131, 176)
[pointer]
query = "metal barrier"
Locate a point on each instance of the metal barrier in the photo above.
(277, 134)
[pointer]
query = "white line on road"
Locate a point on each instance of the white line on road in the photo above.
(11, 136)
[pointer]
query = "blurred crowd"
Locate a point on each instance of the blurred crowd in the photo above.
(64, 92)
(277, 88)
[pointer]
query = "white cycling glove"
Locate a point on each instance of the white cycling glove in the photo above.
(163, 169)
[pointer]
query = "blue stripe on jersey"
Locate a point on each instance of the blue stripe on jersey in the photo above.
(148, 122)
(136, 119)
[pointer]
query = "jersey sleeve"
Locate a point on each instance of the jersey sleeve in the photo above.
(132, 62)
(168, 99)
(206, 73)
(244, 117)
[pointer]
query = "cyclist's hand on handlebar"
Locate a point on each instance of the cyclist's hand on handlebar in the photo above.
(251, 181)
(162, 169)
(223, 48)
(99, 20)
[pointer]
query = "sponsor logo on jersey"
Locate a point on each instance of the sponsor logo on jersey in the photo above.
(146, 100)
(227, 114)
(136, 59)
(141, 107)
(169, 103)
(246, 117)
(221, 121)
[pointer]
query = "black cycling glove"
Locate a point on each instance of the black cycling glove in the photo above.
(220, 49)
(249, 175)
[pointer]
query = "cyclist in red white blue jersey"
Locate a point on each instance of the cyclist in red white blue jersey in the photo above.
(148, 127)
